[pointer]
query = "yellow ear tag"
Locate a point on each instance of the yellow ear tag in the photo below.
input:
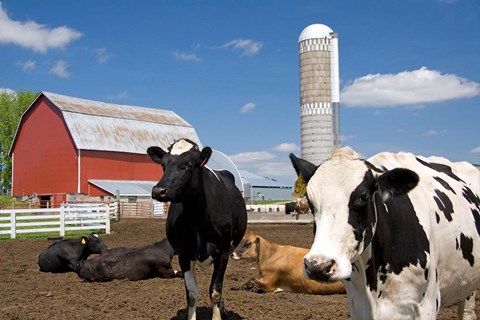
(300, 188)
(83, 241)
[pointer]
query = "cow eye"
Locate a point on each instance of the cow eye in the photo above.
(362, 200)
(186, 167)
(248, 244)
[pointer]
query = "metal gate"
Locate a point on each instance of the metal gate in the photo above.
(158, 208)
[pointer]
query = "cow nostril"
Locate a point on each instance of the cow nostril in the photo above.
(320, 269)
(159, 192)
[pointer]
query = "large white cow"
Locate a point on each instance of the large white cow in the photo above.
(401, 231)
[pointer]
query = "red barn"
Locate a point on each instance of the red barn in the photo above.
(65, 145)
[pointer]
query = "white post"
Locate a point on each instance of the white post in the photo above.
(62, 221)
(107, 221)
(13, 225)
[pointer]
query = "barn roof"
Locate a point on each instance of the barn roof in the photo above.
(262, 182)
(126, 188)
(102, 126)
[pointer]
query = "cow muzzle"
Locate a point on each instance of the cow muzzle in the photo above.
(320, 270)
(159, 193)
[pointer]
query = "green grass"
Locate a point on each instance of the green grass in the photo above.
(7, 201)
(45, 235)
(258, 202)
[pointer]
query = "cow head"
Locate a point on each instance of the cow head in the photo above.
(180, 164)
(344, 192)
(247, 248)
(93, 244)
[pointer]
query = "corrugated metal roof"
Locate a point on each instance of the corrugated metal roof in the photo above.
(126, 188)
(104, 126)
(259, 181)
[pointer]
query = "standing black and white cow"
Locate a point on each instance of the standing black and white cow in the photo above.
(67, 255)
(207, 217)
(401, 231)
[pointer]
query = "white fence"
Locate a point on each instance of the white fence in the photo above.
(61, 220)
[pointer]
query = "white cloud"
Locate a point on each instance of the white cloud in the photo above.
(28, 65)
(60, 69)
(265, 164)
(286, 147)
(32, 35)
(182, 56)
(433, 132)
(7, 90)
(247, 46)
(475, 150)
(250, 157)
(250, 106)
(407, 88)
(119, 96)
(344, 138)
(102, 55)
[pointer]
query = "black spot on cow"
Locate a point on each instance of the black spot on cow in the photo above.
(457, 245)
(440, 168)
(466, 245)
(476, 217)
(471, 197)
(426, 274)
(361, 210)
(444, 184)
(399, 241)
(437, 217)
(444, 204)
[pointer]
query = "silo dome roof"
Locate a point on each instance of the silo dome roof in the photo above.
(315, 31)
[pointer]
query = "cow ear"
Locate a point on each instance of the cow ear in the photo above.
(156, 154)
(303, 167)
(396, 182)
(83, 239)
(205, 155)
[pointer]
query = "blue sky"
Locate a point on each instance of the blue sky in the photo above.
(409, 69)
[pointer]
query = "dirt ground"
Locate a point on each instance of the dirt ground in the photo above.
(26, 293)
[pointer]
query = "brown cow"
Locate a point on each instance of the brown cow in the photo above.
(302, 206)
(280, 267)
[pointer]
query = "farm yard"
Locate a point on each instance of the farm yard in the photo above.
(27, 293)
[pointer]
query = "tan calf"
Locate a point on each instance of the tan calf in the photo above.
(280, 267)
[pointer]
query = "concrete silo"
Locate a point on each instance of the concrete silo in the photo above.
(319, 92)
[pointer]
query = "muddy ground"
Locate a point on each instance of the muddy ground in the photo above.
(26, 293)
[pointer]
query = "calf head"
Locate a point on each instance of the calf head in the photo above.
(247, 248)
(93, 244)
(344, 192)
(181, 165)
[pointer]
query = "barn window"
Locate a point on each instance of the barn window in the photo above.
(132, 199)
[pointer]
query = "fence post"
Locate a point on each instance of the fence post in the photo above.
(117, 194)
(13, 225)
(62, 221)
(107, 221)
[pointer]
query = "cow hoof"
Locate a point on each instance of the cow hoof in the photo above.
(178, 274)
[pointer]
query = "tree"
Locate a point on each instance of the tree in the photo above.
(12, 106)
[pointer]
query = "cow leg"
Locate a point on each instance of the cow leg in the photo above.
(191, 289)
(258, 286)
(466, 309)
(216, 286)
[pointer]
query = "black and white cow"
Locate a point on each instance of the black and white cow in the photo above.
(151, 261)
(67, 255)
(401, 231)
(207, 217)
